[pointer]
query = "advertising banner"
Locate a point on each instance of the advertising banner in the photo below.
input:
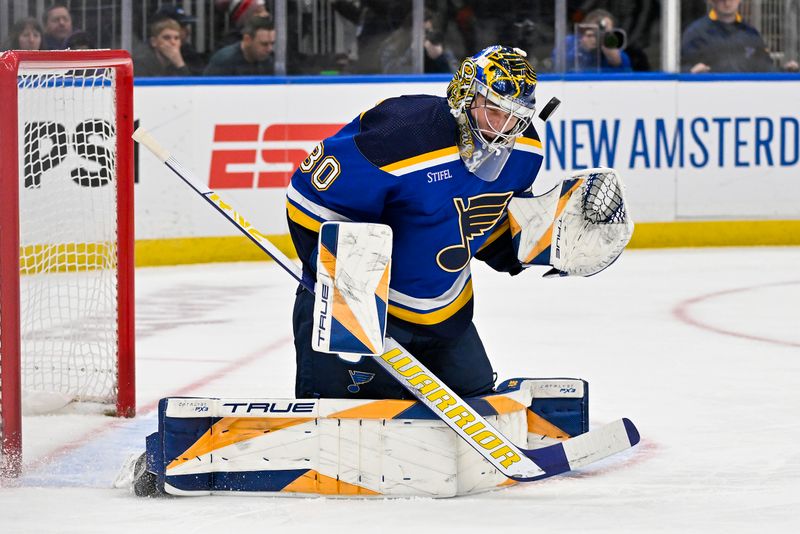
(688, 151)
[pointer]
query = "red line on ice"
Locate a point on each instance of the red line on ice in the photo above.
(234, 365)
(149, 407)
(644, 451)
(682, 313)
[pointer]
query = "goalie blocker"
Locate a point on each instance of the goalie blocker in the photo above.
(346, 447)
(352, 290)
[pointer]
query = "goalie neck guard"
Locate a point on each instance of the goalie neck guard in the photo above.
(507, 81)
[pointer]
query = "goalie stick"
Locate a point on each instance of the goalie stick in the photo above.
(522, 465)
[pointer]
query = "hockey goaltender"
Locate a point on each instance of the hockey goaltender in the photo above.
(386, 216)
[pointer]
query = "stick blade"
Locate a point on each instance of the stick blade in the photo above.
(583, 450)
(604, 442)
(633, 432)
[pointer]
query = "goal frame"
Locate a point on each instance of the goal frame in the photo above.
(10, 343)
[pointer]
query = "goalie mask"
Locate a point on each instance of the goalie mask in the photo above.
(492, 97)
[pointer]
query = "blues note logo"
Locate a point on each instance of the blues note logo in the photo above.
(358, 378)
(474, 219)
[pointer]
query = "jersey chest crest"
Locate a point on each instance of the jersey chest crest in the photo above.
(475, 217)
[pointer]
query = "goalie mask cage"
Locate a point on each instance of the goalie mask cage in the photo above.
(66, 235)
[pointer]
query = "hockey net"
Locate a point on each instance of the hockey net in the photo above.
(66, 271)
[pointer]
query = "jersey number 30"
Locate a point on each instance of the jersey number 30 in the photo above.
(324, 170)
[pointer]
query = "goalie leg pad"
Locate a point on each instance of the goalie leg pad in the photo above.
(559, 408)
(344, 447)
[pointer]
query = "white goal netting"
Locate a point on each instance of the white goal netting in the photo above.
(68, 237)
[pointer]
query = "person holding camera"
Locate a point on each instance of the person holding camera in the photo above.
(395, 52)
(596, 45)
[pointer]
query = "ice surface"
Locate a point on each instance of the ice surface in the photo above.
(701, 348)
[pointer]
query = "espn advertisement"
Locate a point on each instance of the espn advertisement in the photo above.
(713, 150)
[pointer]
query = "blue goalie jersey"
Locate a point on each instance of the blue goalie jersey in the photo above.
(398, 164)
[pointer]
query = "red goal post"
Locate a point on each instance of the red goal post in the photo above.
(66, 233)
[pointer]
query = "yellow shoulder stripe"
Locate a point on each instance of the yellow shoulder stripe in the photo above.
(420, 159)
(529, 142)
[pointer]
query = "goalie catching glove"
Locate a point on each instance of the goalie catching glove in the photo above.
(579, 227)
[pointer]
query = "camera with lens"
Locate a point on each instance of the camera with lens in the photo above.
(612, 38)
(435, 37)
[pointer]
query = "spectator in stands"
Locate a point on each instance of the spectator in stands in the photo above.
(193, 59)
(79, 40)
(26, 34)
(344, 65)
(596, 45)
(57, 26)
(239, 12)
(639, 19)
(396, 53)
(163, 57)
(375, 20)
(251, 56)
(722, 42)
